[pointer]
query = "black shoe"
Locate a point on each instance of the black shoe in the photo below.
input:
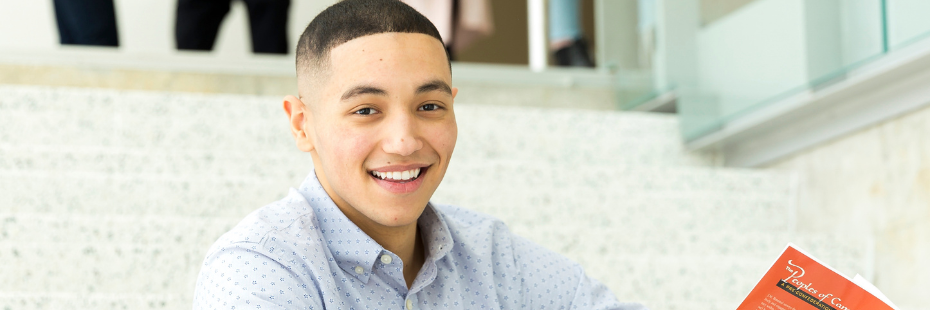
(575, 55)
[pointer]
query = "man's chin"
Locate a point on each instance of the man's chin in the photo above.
(398, 216)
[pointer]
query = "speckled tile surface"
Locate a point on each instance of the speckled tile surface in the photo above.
(108, 199)
(116, 120)
(68, 301)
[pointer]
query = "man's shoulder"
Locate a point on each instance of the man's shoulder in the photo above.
(466, 225)
(464, 217)
(286, 216)
(272, 247)
(472, 228)
(517, 260)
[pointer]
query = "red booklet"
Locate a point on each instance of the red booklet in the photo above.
(798, 281)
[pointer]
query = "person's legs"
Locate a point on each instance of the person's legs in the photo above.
(86, 22)
(198, 22)
(268, 22)
(564, 23)
(565, 37)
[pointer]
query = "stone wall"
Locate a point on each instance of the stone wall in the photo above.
(875, 182)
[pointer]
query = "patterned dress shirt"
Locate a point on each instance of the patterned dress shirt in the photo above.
(302, 252)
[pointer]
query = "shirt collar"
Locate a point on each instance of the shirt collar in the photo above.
(435, 233)
(351, 247)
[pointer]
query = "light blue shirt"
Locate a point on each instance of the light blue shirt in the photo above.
(302, 252)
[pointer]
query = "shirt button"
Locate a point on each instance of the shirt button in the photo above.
(359, 270)
(409, 304)
(386, 259)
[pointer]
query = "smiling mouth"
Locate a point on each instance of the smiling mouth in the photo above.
(398, 176)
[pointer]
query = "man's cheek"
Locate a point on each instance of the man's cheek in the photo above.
(445, 137)
(352, 148)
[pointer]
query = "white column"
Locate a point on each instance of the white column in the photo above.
(675, 61)
(536, 15)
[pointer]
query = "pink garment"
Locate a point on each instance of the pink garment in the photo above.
(474, 21)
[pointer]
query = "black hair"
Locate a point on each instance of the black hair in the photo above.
(350, 19)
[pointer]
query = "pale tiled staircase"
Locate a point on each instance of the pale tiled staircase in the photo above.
(109, 199)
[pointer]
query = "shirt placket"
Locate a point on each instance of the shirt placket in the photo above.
(411, 302)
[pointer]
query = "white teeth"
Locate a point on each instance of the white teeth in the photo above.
(397, 175)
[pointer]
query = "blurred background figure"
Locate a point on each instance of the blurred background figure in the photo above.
(459, 22)
(198, 22)
(565, 37)
(86, 22)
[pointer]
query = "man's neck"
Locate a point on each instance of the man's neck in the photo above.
(403, 241)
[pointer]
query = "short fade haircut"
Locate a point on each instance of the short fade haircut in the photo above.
(351, 19)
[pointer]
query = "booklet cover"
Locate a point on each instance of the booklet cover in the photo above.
(798, 281)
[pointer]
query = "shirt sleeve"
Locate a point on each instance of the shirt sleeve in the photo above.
(244, 276)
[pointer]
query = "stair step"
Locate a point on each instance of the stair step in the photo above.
(156, 162)
(602, 241)
(687, 213)
(93, 301)
(198, 232)
(105, 194)
(574, 136)
(168, 269)
(712, 279)
(732, 205)
(292, 163)
(131, 119)
(265, 158)
(563, 237)
(492, 94)
(488, 174)
(20, 131)
(99, 267)
(615, 178)
(30, 301)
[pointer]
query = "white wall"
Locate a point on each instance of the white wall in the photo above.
(875, 182)
(27, 25)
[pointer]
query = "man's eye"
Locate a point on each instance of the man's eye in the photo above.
(429, 107)
(365, 111)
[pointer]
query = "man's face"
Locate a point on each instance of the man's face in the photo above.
(381, 128)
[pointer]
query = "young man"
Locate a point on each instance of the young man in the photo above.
(375, 113)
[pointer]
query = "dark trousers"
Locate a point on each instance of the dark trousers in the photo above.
(86, 22)
(198, 22)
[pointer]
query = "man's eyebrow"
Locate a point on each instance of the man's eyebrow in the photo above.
(434, 85)
(363, 90)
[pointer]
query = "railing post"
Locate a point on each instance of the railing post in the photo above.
(536, 16)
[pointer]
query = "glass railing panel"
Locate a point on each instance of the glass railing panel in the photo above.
(907, 21)
(771, 49)
(627, 41)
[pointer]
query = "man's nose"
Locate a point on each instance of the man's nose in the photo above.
(401, 136)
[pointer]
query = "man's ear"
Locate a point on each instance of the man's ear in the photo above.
(455, 91)
(298, 117)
